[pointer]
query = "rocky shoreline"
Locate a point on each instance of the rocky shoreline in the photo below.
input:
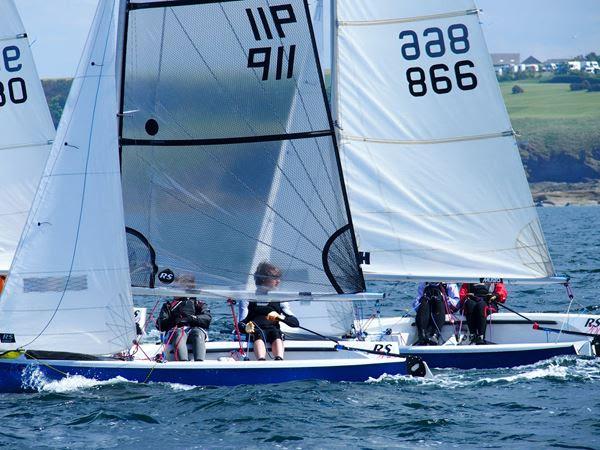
(566, 194)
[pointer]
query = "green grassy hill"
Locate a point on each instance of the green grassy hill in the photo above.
(559, 130)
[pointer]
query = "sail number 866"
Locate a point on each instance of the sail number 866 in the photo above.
(437, 42)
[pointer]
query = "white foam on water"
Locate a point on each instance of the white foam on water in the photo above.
(78, 382)
(564, 369)
(34, 378)
(179, 387)
(554, 371)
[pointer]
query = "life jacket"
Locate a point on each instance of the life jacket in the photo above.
(257, 312)
(182, 308)
(480, 290)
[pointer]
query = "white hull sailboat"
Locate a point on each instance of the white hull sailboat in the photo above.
(435, 182)
(196, 141)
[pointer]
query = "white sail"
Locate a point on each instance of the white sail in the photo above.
(68, 289)
(26, 130)
(436, 185)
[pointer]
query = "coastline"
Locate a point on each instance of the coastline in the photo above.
(547, 193)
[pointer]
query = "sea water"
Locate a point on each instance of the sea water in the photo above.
(550, 404)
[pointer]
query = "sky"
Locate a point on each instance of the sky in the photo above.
(542, 28)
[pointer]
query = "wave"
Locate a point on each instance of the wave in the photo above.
(34, 379)
(558, 369)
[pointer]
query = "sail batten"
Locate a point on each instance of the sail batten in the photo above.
(435, 181)
(430, 141)
(357, 23)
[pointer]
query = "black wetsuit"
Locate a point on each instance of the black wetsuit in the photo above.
(257, 313)
(431, 313)
(190, 318)
(476, 308)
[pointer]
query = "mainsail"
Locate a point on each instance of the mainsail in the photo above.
(227, 147)
(436, 184)
(69, 286)
(26, 130)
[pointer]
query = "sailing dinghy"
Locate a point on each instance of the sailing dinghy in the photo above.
(196, 140)
(26, 131)
(435, 182)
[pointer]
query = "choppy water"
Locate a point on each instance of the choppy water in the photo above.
(550, 404)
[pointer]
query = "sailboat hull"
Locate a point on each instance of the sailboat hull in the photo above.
(493, 356)
(26, 375)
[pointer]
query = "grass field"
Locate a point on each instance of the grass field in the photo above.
(551, 118)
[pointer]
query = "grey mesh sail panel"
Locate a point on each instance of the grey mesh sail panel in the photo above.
(228, 152)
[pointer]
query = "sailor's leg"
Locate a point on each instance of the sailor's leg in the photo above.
(277, 348)
(422, 319)
(438, 318)
(196, 337)
(480, 318)
(259, 349)
(469, 311)
(179, 341)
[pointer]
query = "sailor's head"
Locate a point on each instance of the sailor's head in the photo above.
(267, 275)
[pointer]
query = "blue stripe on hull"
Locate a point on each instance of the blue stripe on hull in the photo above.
(13, 375)
(489, 360)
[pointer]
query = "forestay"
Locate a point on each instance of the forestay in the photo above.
(228, 151)
(68, 289)
(26, 130)
(436, 184)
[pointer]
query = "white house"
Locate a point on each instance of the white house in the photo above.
(575, 65)
(591, 67)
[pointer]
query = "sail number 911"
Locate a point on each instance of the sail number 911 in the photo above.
(456, 39)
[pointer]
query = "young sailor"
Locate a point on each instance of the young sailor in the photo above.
(185, 319)
(479, 300)
(433, 302)
(260, 319)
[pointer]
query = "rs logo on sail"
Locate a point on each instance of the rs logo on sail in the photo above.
(260, 57)
(13, 90)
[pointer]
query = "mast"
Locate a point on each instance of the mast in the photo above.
(333, 32)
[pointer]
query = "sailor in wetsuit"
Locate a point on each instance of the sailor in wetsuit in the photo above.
(186, 319)
(260, 319)
(478, 301)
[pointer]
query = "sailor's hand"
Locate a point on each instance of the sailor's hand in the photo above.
(274, 316)
(489, 298)
(249, 328)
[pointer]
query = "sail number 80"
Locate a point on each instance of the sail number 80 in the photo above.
(15, 91)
